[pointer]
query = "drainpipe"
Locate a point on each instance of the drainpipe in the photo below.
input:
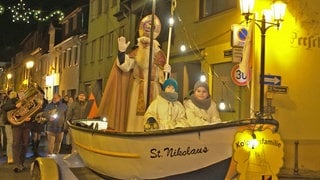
(296, 166)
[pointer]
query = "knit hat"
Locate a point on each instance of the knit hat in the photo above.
(171, 82)
(13, 94)
(82, 92)
(201, 84)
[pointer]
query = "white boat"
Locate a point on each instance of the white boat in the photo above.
(201, 152)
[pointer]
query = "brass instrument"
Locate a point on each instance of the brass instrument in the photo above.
(31, 102)
(42, 118)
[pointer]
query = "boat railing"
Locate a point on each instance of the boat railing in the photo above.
(100, 126)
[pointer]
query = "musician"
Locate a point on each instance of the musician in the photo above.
(37, 127)
(55, 113)
(9, 104)
(20, 134)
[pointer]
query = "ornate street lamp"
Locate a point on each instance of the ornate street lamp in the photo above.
(29, 66)
(278, 10)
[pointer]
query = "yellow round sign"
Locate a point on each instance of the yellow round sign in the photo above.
(258, 154)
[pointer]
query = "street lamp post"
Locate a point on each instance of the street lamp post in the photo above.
(29, 66)
(278, 9)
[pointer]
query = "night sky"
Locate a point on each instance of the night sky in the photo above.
(12, 33)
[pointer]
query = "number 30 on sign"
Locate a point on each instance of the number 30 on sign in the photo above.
(238, 77)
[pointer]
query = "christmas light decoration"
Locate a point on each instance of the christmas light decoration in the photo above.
(58, 13)
(22, 13)
(1, 9)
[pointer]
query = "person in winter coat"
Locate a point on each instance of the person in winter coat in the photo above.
(37, 127)
(20, 134)
(200, 108)
(55, 113)
(78, 109)
(10, 104)
(166, 111)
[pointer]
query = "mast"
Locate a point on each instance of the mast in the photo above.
(171, 21)
(151, 51)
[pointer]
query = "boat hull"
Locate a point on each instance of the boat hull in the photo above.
(158, 154)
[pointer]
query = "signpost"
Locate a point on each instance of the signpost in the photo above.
(278, 89)
(272, 80)
(239, 35)
(238, 77)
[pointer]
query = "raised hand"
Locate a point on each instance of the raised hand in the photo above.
(122, 44)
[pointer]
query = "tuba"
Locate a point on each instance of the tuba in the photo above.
(31, 101)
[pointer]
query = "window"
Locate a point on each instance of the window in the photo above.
(211, 7)
(101, 48)
(110, 43)
(64, 59)
(121, 31)
(70, 25)
(86, 55)
(60, 62)
(55, 64)
(74, 25)
(99, 7)
(114, 3)
(66, 28)
(76, 54)
(106, 5)
(87, 87)
(93, 50)
(69, 57)
(93, 9)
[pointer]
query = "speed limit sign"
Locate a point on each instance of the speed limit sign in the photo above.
(238, 77)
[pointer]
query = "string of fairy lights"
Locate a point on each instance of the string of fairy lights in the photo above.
(22, 13)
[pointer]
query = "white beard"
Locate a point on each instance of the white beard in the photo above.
(142, 57)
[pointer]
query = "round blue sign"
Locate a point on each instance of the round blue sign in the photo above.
(242, 34)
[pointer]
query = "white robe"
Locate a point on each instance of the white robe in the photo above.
(135, 121)
(198, 117)
(168, 115)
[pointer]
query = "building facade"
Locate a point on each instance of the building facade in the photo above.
(26, 66)
(62, 63)
(205, 28)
